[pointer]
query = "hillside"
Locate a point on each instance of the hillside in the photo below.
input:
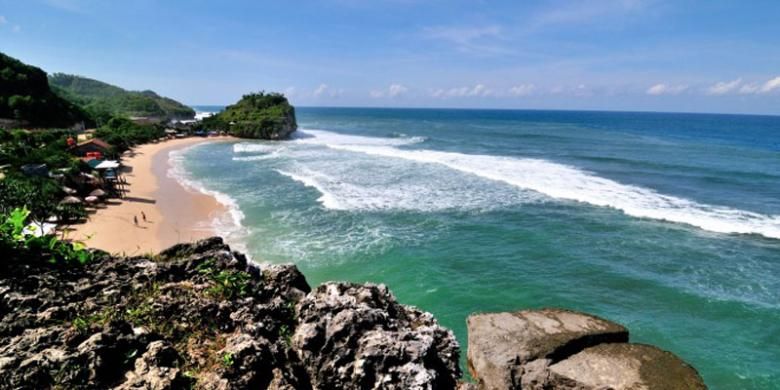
(258, 115)
(103, 100)
(27, 100)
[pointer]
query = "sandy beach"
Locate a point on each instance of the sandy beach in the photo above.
(173, 213)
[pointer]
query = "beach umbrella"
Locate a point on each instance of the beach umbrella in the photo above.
(68, 190)
(97, 192)
(92, 199)
(70, 200)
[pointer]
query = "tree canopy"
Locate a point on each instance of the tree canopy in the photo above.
(25, 96)
(104, 101)
(257, 115)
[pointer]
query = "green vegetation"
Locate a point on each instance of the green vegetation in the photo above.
(17, 243)
(258, 115)
(25, 97)
(40, 195)
(227, 360)
(123, 133)
(227, 284)
(104, 101)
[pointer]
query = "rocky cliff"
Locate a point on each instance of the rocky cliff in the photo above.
(199, 316)
(257, 115)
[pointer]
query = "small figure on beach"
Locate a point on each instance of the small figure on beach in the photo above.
(143, 216)
(135, 220)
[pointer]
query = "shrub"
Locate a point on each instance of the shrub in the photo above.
(17, 242)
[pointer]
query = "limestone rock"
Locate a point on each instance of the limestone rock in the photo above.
(156, 369)
(623, 367)
(507, 350)
(358, 337)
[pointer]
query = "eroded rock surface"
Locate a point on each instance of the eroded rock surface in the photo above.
(623, 366)
(199, 316)
(358, 336)
(562, 349)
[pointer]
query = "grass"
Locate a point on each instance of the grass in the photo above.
(226, 284)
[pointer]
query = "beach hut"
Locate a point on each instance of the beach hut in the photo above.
(92, 147)
(98, 193)
(35, 170)
(70, 200)
(107, 164)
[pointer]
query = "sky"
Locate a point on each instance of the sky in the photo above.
(644, 55)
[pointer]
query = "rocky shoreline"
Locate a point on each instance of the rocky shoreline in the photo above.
(200, 316)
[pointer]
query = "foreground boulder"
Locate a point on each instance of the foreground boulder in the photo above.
(561, 349)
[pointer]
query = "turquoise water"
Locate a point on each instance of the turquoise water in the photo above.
(667, 223)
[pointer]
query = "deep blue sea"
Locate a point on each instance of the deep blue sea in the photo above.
(666, 223)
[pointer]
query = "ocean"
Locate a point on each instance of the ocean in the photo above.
(666, 223)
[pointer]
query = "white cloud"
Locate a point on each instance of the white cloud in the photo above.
(477, 90)
(481, 40)
(749, 89)
(320, 90)
(664, 89)
(3, 20)
(724, 87)
(771, 85)
(522, 90)
(587, 11)
(290, 91)
(396, 89)
(768, 86)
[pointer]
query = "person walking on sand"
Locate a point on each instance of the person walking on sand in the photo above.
(135, 220)
(143, 216)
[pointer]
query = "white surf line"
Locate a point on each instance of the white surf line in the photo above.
(570, 183)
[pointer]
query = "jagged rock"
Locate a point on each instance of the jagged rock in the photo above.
(156, 369)
(247, 362)
(623, 367)
(358, 337)
(198, 315)
(513, 350)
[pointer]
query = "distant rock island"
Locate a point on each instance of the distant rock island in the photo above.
(257, 115)
(200, 316)
(103, 101)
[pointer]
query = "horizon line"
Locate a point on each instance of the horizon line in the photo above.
(522, 109)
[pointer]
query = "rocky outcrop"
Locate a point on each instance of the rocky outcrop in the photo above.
(200, 316)
(561, 349)
(353, 336)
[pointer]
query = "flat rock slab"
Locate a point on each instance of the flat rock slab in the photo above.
(624, 366)
(501, 344)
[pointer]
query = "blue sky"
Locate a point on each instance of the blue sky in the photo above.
(697, 56)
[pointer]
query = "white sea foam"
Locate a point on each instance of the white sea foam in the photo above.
(327, 138)
(349, 184)
(254, 147)
(230, 224)
(203, 114)
(569, 183)
(327, 199)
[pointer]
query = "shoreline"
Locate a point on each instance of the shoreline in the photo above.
(174, 212)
